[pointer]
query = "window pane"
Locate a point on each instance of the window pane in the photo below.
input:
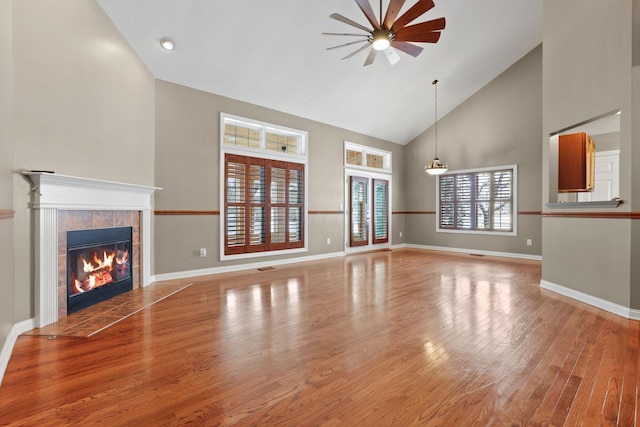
(257, 226)
(295, 224)
(447, 188)
(483, 216)
(446, 215)
(354, 157)
(241, 136)
(295, 186)
(257, 183)
(235, 182)
(375, 161)
(282, 143)
(463, 215)
(483, 186)
(463, 187)
(235, 226)
(278, 194)
(502, 185)
(278, 224)
(502, 216)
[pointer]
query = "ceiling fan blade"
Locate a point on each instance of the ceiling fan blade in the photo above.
(407, 48)
(406, 33)
(356, 52)
(412, 14)
(366, 8)
(421, 38)
(346, 34)
(392, 55)
(346, 44)
(371, 57)
(348, 21)
(392, 12)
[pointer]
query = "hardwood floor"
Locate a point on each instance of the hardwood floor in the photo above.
(403, 337)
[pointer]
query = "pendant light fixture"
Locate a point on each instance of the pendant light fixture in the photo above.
(436, 166)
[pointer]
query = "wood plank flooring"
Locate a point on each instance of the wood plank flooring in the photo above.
(404, 337)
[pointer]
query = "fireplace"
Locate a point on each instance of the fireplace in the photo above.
(64, 203)
(98, 265)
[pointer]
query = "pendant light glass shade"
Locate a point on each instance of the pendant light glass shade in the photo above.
(436, 166)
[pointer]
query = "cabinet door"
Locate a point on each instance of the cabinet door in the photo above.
(576, 158)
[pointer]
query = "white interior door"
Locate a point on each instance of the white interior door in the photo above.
(607, 177)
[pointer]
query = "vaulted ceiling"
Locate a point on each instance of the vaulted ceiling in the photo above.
(272, 53)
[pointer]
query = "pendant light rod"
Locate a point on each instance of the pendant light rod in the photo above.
(435, 86)
(436, 167)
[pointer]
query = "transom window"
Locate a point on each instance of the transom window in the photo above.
(481, 200)
(363, 157)
(263, 188)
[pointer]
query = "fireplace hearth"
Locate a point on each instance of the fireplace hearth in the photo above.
(98, 265)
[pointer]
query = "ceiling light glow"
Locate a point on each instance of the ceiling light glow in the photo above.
(167, 43)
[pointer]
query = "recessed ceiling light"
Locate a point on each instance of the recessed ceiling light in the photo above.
(167, 43)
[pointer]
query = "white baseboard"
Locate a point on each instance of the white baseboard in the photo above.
(600, 303)
(7, 348)
(470, 251)
(241, 267)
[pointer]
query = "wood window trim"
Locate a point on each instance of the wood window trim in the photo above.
(266, 205)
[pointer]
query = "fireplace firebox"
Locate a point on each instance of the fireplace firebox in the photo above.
(98, 265)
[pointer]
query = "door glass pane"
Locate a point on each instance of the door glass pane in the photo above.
(359, 220)
(380, 211)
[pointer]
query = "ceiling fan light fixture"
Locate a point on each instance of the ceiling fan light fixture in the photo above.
(381, 40)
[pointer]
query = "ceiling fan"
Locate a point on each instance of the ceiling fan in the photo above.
(390, 32)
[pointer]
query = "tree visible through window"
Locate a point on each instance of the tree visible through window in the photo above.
(480, 200)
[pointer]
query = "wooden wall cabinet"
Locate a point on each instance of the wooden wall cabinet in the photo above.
(576, 163)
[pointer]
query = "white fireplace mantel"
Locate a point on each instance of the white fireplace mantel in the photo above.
(54, 192)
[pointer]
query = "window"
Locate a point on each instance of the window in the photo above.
(264, 205)
(262, 188)
(481, 200)
(364, 157)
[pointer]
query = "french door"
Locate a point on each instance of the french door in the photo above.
(368, 212)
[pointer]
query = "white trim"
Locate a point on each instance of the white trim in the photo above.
(262, 153)
(370, 175)
(10, 342)
(600, 303)
(52, 193)
(471, 251)
(242, 267)
(514, 203)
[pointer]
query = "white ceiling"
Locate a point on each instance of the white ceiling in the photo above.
(272, 53)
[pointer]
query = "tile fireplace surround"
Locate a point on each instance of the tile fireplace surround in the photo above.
(62, 203)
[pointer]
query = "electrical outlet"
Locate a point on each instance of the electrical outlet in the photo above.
(401, 234)
(203, 252)
(529, 242)
(328, 240)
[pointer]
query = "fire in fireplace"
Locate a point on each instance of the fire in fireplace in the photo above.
(98, 265)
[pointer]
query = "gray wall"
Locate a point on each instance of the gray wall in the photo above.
(587, 72)
(6, 165)
(82, 105)
(499, 125)
(187, 168)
